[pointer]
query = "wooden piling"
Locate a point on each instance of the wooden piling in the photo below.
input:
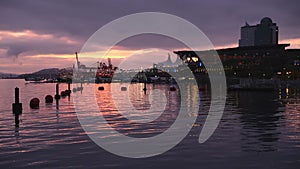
(68, 92)
(69, 85)
(17, 95)
(145, 86)
(17, 107)
(57, 96)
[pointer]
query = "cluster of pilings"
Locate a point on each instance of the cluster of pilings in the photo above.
(123, 88)
(78, 89)
(35, 102)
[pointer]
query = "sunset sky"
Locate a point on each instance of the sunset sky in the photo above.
(46, 34)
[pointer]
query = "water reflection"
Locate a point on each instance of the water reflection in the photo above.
(140, 102)
(264, 117)
(292, 114)
(268, 123)
(260, 120)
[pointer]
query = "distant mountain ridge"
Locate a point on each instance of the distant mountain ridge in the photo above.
(49, 73)
(7, 75)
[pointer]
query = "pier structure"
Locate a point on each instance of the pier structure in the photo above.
(258, 56)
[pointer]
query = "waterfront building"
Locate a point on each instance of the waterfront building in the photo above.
(258, 56)
(264, 33)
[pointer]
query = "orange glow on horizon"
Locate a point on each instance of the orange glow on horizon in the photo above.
(294, 43)
(63, 56)
(125, 53)
(32, 59)
(233, 45)
(114, 53)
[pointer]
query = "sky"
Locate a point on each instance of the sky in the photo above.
(46, 34)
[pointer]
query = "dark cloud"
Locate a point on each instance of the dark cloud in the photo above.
(144, 41)
(38, 44)
(219, 20)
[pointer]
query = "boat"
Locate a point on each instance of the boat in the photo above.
(102, 73)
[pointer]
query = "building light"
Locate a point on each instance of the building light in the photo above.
(195, 59)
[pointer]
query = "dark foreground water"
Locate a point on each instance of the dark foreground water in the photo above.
(257, 130)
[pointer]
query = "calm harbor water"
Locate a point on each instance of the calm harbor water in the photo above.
(257, 130)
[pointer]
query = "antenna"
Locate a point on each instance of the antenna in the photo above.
(109, 62)
(77, 59)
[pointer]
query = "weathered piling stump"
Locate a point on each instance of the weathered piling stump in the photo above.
(68, 92)
(17, 107)
(74, 89)
(80, 88)
(34, 103)
(63, 93)
(49, 99)
(172, 88)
